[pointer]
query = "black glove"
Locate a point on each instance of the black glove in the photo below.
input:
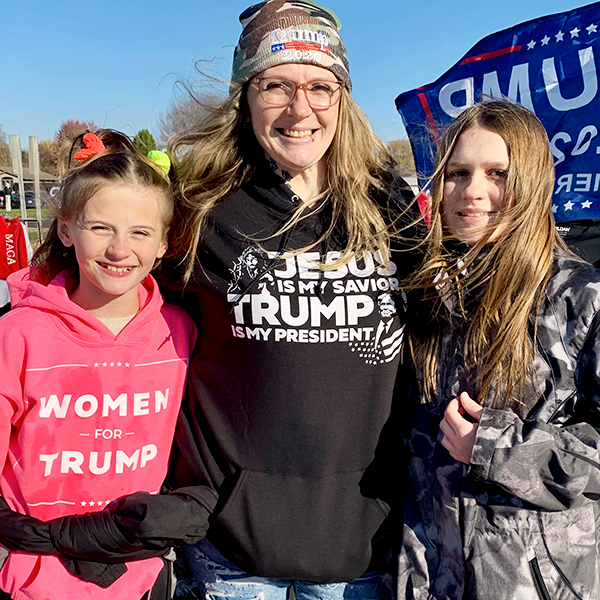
(28, 534)
(139, 526)
(98, 573)
(22, 532)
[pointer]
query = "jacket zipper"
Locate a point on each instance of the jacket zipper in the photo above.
(538, 580)
(558, 569)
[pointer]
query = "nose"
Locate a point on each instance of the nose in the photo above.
(299, 106)
(476, 187)
(118, 247)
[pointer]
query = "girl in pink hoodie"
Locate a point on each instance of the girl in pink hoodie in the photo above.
(93, 366)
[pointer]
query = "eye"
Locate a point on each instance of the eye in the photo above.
(140, 233)
(499, 174)
(274, 85)
(321, 87)
(99, 228)
(457, 174)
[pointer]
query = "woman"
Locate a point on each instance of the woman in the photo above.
(504, 440)
(288, 204)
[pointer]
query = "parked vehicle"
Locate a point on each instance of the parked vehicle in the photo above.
(29, 200)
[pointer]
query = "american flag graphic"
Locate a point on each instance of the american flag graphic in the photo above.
(299, 46)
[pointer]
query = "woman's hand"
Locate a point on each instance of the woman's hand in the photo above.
(459, 432)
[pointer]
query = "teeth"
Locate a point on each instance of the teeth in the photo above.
(118, 269)
(297, 134)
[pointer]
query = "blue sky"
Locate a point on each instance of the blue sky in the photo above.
(117, 62)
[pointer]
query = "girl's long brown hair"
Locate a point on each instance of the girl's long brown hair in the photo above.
(508, 276)
(222, 154)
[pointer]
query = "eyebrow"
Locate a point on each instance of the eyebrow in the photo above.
(87, 222)
(457, 163)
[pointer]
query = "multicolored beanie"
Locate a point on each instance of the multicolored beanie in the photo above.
(277, 32)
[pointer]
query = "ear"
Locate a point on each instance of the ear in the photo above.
(64, 232)
(162, 248)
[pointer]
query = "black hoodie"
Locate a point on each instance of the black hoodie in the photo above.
(290, 385)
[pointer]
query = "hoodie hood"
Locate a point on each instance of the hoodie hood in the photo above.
(74, 320)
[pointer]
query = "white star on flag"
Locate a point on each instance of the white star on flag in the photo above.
(586, 204)
(545, 40)
(569, 205)
(554, 208)
(531, 45)
(591, 29)
(559, 36)
(574, 32)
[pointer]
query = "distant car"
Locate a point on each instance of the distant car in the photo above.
(29, 200)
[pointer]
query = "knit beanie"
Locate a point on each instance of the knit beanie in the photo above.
(277, 32)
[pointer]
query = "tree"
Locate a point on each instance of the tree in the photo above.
(50, 150)
(71, 128)
(184, 114)
(402, 153)
(5, 160)
(48, 158)
(144, 141)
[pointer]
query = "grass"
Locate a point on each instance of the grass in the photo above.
(16, 212)
(33, 232)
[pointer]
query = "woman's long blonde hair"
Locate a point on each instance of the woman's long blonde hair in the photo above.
(507, 276)
(222, 154)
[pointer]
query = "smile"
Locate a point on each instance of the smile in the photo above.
(304, 133)
(116, 269)
(476, 214)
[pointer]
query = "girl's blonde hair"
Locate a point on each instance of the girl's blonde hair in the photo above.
(120, 163)
(507, 277)
(222, 154)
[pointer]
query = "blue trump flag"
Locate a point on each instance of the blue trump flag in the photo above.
(548, 65)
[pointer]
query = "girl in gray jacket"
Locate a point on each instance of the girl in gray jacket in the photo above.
(503, 438)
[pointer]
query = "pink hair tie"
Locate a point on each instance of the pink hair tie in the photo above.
(93, 144)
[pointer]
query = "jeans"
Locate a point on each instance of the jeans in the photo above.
(219, 579)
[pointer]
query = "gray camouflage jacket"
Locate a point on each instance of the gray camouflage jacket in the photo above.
(522, 520)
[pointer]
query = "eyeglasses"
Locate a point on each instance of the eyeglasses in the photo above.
(281, 92)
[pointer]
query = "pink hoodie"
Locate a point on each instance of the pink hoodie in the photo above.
(85, 417)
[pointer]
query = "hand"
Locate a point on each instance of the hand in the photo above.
(459, 432)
